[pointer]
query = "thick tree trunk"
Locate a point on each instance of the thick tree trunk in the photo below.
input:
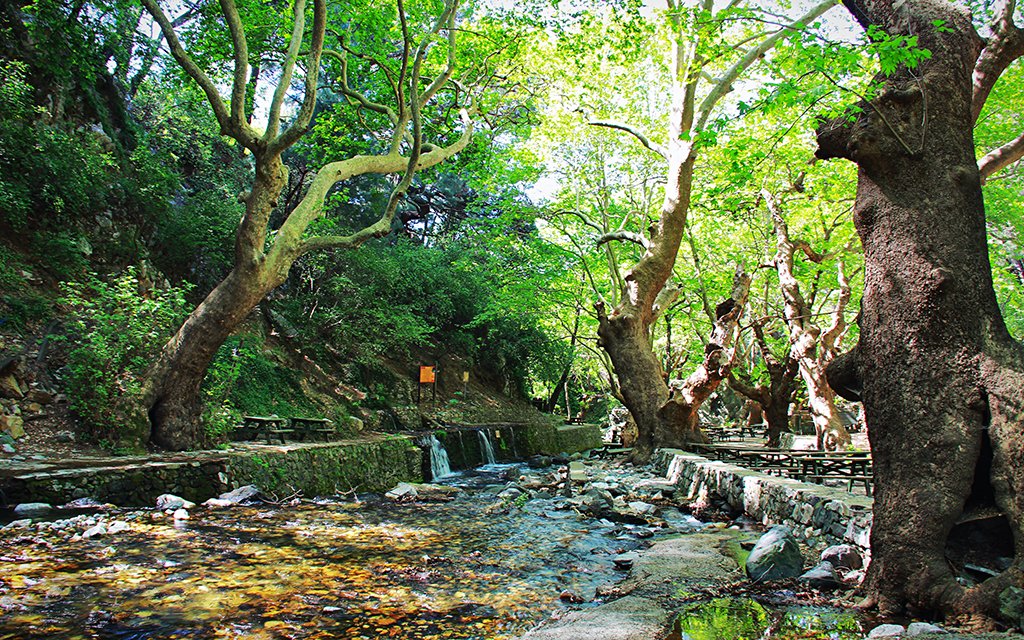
(942, 379)
(173, 391)
(666, 414)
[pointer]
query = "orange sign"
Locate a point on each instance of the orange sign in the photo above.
(426, 375)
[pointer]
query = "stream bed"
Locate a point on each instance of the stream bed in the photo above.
(479, 566)
(323, 569)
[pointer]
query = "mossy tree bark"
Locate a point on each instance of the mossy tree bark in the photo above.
(170, 398)
(940, 377)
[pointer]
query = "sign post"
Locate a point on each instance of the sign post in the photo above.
(428, 376)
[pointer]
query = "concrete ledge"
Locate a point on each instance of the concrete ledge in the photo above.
(818, 515)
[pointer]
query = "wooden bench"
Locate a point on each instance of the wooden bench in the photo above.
(313, 427)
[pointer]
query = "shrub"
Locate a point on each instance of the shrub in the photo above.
(115, 331)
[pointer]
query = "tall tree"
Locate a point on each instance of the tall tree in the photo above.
(939, 375)
(664, 416)
(417, 72)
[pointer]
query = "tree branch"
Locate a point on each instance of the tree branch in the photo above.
(301, 123)
(627, 236)
(724, 84)
(191, 68)
(241, 51)
(636, 133)
(1004, 46)
(1000, 158)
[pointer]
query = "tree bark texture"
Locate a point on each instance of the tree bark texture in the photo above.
(941, 379)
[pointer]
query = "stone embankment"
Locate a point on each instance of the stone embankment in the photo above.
(372, 463)
(818, 516)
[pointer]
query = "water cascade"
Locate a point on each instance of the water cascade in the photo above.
(486, 449)
(439, 465)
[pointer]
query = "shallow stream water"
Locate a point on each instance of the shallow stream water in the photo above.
(329, 569)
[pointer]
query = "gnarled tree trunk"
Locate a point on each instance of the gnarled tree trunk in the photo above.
(811, 347)
(940, 377)
(775, 397)
(170, 395)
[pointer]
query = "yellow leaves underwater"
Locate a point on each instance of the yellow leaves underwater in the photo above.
(312, 572)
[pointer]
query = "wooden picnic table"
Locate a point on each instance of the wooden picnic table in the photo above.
(265, 427)
(313, 427)
(851, 466)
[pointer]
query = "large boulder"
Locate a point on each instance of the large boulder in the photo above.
(843, 556)
(776, 555)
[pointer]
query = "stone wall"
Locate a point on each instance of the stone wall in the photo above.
(314, 469)
(818, 515)
(553, 439)
(329, 468)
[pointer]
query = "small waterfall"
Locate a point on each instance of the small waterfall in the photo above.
(439, 465)
(486, 449)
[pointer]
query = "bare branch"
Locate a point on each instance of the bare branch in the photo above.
(627, 236)
(1000, 158)
(644, 140)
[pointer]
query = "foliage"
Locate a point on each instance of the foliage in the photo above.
(115, 330)
(51, 175)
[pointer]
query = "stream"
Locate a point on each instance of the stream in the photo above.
(323, 569)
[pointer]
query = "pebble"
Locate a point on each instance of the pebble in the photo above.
(94, 531)
(181, 514)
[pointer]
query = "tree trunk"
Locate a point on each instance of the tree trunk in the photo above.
(173, 395)
(666, 414)
(941, 376)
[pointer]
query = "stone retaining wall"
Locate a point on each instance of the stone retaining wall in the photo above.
(314, 469)
(818, 515)
(554, 439)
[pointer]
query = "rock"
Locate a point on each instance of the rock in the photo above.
(571, 596)
(776, 555)
(402, 491)
(843, 556)
(24, 523)
(887, 631)
(65, 436)
(625, 561)
(10, 388)
(33, 407)
(436, 492)
(919, 628)
(8, 448)
(83, 503)
(1011, 604)
(239, 495)
(95, 531)
(118, 526)
(643, 508)
(40, 396)
(181, 514)
(33, 509)
(823, 576)
(539, 462)
(171, 502)
(577, 471)
(511, 492)
(13, 426)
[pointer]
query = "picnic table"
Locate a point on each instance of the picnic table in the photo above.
(313, 427)
(257, 427)
(851, 466)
